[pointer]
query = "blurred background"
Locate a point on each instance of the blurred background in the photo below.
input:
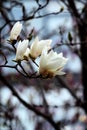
(47, 19)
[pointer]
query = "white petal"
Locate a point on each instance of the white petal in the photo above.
(52, 55)
(43, 58)
(60, 54)
(60, 73)
(22, 46)
(34, 45)
(37, 47)
(26, 54)
(52, 62)
(52, 66)
(34, 48)
(15, 31)
(44, 43)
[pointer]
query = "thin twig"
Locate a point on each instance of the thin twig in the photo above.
(63, 82)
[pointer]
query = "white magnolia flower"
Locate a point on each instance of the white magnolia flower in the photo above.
(21, 50)
(15, 31)
(51, 63)
(26, 54)
(37, 47)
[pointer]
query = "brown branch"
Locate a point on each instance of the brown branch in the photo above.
(62, 81)
(30, 107)
(79, 102)
(82, 32)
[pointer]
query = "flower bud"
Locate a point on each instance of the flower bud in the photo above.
(37, 47)
(15, 31)
(21, 49)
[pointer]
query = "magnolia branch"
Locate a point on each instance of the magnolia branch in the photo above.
(47, 117)
(79, 102)
(60, 79)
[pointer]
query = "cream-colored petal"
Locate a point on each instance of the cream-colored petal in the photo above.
(43, 59)
(60, 60)
(44, 43)
(15, 31)
(34, 45)
(60, 54)
(52, 55)
(51, 63)
(59, 73)
(26, 54)
(22, 46)
(37, 47)
(34, 48)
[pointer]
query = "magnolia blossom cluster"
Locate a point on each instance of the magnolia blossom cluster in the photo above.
(50, 63)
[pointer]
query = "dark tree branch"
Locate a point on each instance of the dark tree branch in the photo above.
(82, 32)
(45, 116)
(79, 102)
